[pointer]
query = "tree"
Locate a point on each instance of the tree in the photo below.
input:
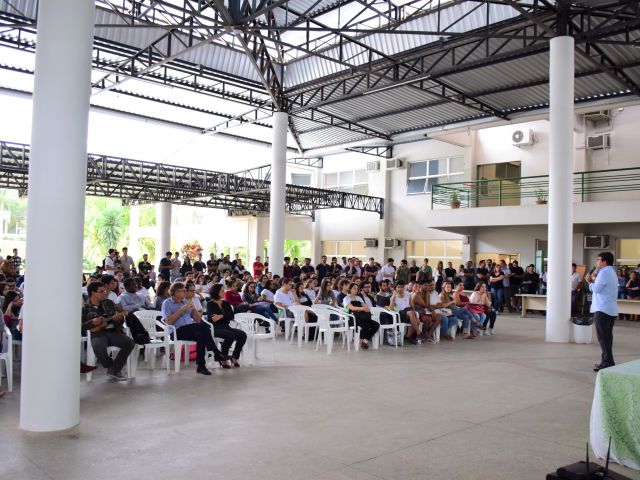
(106, 226)
(297, 248)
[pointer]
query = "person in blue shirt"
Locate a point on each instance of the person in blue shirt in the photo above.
(603, 284)
(180, 313)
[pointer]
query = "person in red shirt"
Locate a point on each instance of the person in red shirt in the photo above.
(258, 268)
(233, 298)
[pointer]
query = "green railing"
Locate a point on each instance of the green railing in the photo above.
(511, 191)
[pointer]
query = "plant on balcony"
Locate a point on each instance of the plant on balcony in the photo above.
(455, 201)
(541, 196)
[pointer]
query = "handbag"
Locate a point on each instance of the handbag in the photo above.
(444, 311)
(475, 308)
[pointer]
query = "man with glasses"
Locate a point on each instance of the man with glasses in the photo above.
(603, 284)
(99, 315)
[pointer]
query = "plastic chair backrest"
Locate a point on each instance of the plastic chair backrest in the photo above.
(5, 346)
(148, 319)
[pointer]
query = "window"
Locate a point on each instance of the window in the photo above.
(303, 179)
(349, 181)
(436, 251)
(628, 251)
(421, 176)
(344, 248)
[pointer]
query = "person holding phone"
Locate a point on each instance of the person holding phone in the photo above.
(182, 314)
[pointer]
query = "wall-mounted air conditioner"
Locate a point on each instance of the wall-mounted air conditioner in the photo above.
(596, 242)
(392, 243)
(394, 164)
(373, 166)
(371, 242)
(599, 142)
(598, 116)
(522, 137)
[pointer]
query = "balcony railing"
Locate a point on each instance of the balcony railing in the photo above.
(529, 190)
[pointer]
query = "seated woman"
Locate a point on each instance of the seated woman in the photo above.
(256, 302)
(303, 299)
(448, 301)
(201, 284)
(188, 323)
(192, 296)
(401, 303)
(481, 297)
(131, 300)
(234, 299)
(354, 303)
(343, 287)
(478, 316)
(220, 312)
(311, 288)
(11, 309)
(162, 294)
(325, 294)
(262, 282)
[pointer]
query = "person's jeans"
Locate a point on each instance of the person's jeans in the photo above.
(101, 341)
(604, 329)
(447, 323)
(464, 315)
(498, 297)
(200, 333)
(265, 311)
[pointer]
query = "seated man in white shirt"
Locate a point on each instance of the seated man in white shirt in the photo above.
(389, 271)
(285, 297)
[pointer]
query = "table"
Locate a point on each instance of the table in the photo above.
(615, 413)
(531, 301)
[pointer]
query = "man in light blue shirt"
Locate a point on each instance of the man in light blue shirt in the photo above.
(603, 284)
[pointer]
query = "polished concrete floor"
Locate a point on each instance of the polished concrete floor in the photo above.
(503, 407)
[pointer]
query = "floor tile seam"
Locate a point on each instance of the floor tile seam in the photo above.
(421, 442)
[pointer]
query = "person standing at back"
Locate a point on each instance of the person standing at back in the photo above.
(603, 284)
(164, 268)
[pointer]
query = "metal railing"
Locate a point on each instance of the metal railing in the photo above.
(511, 191)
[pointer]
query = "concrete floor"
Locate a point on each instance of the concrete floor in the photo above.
(503, 407)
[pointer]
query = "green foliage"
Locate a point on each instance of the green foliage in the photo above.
(148, 246)
(297, 248)
(106, 225)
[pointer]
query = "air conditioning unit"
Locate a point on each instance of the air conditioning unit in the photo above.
(596, 242)
(521, 138)
(370, 242)
(599, 142)
(598, 116)
(392, 243)
(394, 164)
(373, 166)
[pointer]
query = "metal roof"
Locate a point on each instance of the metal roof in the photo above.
(345, 70)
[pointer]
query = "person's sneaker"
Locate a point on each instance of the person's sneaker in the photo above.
(203, 370)
(116, 375)
(411, 340)
(488, 332)
(84, 368)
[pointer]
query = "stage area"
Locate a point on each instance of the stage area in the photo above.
(501, 407)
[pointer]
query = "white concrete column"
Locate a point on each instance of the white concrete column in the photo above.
(561, 150)
(278, 192)
(134, 233)
(50, 390)
(383, 223)
(316, 250)
(163, 229)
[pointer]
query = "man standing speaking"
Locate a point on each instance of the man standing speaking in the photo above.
(603, 284)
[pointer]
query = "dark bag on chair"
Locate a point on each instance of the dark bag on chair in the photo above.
(138, 332)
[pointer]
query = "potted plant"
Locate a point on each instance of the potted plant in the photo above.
(541, 197)
(455, 201)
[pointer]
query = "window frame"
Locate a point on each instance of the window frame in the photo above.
(346, 187)
(427, 177)
(446, 257)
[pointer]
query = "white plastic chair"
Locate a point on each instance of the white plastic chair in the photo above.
(299, 323)
(6, 354)
(247, 323)
(178, 345)
(91, 357)
(282, 318)
(159, 339)
(328, 328)
(396, 326)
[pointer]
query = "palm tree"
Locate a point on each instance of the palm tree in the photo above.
(106, 226)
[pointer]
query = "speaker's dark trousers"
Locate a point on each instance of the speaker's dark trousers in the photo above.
(604, 329)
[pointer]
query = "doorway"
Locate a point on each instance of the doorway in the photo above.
(498, 184)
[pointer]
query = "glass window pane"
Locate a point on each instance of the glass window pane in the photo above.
(416, 186)
(358, 248)
(361, 189)
(346, 178)
(629, 249)
(361, 176)
(456, 165)
(432, 181)
(330, 179)
(329, 248)
(418, 169)
(301, 179)
(435, 248)
(433, 261)
(454, 249)
(344, 249)
(415, 248)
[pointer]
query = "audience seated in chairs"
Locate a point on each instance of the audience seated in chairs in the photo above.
(424, 304)
(325, 295)
(481, 297)
(100, 316)
(220, 313)
(131, 301)
(182, 315)
(162, 293)
(400, 302)
(447, 300)
(11, 307)
(257, 302)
